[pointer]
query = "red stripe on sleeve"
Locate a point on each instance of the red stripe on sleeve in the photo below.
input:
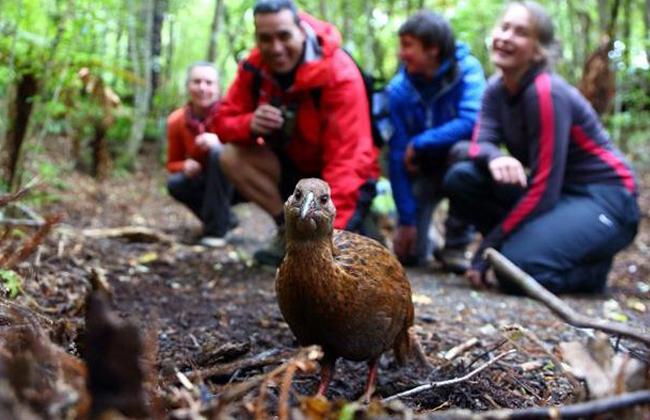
(545, 164)
(474, 148)
(590, 146)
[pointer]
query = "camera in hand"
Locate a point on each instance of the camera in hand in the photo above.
(280, 137)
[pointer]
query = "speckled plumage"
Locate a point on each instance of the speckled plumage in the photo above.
(340, 290)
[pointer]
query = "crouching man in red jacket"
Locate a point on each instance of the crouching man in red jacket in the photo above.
(297, 108)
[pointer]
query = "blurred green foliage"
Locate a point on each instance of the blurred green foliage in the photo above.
(54, 39)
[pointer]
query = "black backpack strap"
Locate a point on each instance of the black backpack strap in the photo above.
(257, 80)
(315, 96)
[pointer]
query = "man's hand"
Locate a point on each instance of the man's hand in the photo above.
(508, 170)
(207, 141)
(191, 168)
(409, 159)
(266, 119)
(404, 242)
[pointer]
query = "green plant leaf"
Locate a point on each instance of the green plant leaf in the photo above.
(11, 282)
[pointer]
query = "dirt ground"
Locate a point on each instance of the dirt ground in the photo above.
(196, 300)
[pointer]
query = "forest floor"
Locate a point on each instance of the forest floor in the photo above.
(212, 308)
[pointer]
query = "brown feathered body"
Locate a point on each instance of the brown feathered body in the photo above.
(342, 291)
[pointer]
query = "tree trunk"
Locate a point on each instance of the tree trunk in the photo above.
(646, 30)
(19, 112)
(626, 32)
(231, 32)
(141, 59)
(603, 14)
(214, 32)
(369, 39)
(170, 48)
(159, 9)
(346, 11)
(322, 9)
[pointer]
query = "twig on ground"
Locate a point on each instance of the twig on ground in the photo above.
(558, 365)
(301, 361)
(574, 411)
(448, 382)
(283, 403)
(486, 352)
(132, 233)
(454, 352)
(22, 222)
(8, 198)
(9, 261)
(555, 304)
(269, 357)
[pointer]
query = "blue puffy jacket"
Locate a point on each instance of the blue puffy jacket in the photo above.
(432, 116)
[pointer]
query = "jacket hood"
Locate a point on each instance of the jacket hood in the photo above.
(404, 83)
(322, 41)
(328, 36)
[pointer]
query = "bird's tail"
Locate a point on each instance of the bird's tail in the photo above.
(408, 347)
(416, 350)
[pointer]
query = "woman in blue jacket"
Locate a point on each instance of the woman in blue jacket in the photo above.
(562, 202)
(433, 103)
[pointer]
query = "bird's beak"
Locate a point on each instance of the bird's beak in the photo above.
(307, 205)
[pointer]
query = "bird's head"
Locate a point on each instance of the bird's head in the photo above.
(309, 211)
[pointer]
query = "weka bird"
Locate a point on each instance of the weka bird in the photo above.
(342, 291)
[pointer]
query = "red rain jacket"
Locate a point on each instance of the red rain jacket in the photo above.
(332, 135)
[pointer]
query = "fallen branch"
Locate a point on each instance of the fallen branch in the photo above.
(9, 260)
(574, 411)
(448, 382)
(21, 222)
(558, 366)
(454, 352)
(555, 304)
(269, 357)
(131, 233)
(302, 360)
(8, 198)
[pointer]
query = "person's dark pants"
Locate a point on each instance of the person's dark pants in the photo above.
(567, 249)
(429, 193)
(208, 196)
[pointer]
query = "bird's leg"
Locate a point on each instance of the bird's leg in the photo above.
(372, 379)
(326, 373)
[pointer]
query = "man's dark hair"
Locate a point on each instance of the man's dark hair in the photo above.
(274, 6)
(431, 30)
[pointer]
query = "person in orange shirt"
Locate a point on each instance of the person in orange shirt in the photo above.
(193, 156)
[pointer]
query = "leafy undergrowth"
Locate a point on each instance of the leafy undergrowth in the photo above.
(217, 344)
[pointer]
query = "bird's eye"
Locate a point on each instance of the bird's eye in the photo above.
(324, 198)
(297, 194)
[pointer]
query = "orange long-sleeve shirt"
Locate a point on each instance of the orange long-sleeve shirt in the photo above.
(182, 130)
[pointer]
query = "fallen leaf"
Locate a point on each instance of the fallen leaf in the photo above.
(148, 257)
(636, 304)
(421, 299)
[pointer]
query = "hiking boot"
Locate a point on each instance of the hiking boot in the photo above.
(273, 253)
(454, 260)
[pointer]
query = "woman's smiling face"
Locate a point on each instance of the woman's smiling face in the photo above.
(514, 41)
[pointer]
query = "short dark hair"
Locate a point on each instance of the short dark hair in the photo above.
(274, 6)
(431, 29)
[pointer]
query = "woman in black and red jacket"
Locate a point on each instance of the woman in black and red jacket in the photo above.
(562, 202)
